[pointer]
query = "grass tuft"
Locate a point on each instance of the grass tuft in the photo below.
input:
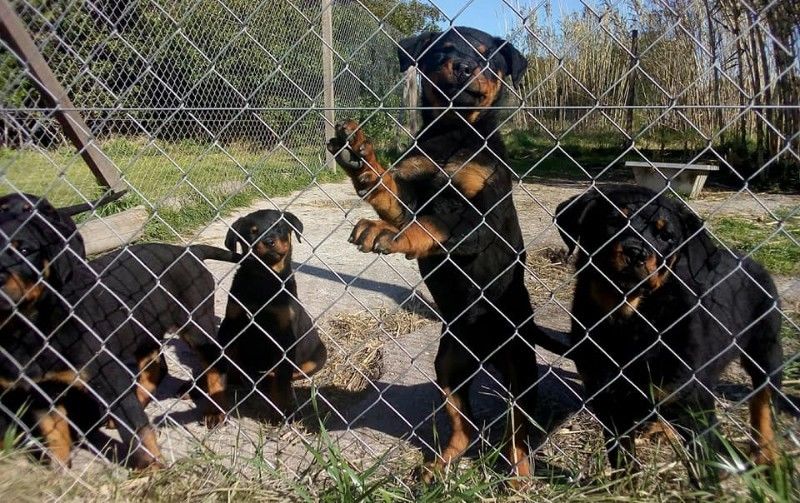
(772, 243)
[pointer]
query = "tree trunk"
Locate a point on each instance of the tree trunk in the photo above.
(712, 39)
(630, 100)
(786, 93)
(758, 123)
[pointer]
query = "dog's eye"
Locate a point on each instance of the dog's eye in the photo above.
(24, 250)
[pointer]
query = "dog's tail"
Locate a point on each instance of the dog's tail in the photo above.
(73, 210)
(208, 252)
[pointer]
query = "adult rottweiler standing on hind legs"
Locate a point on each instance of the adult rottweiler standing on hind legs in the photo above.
(448, 204)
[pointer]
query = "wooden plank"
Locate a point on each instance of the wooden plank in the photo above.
(107, 233)
(14, 33)
(671, 165)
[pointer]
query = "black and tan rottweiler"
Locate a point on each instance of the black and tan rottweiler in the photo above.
(659, 312)
(23, 204)
(447, 203)
(268, 336)
(68, 325)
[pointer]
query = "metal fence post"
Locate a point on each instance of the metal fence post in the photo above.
(327, 75)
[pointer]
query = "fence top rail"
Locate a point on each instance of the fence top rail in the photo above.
(671, 165)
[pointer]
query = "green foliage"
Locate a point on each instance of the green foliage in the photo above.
(409, 17)
(238, 71)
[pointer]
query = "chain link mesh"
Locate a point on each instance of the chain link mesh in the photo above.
(213, 110)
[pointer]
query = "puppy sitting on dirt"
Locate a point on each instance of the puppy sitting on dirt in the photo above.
(269, 337)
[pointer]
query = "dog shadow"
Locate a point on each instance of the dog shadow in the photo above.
(406, 298)
(414, 413)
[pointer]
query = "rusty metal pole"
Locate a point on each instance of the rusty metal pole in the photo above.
(15, 34)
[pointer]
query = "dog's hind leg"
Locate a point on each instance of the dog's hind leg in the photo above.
(517, 363)
(455, 369)
(762, 358)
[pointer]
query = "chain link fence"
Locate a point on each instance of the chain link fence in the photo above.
(280, 362)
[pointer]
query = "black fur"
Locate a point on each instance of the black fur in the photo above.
(673, 337)
(264, 320)
(97, 320)
(475, 272)
(23, 204)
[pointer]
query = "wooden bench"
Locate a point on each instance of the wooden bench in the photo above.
(683, 178)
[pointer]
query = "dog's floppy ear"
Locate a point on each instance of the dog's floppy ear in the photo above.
(412, 47)
(517, 63)
(56, 250)
(235, 235)
(63, 224)
(569, 216)
(295, 222)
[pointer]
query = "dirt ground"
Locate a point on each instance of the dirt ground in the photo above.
(391, 408)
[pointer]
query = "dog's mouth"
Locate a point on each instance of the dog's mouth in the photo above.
(17, 289)
(640, 277)
(478, 91)
(270, 254)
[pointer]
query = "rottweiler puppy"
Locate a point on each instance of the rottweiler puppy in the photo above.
(659, 312)
(268, 336)
(68, 325)
(19, 204)
(447, 203)
(168, 287)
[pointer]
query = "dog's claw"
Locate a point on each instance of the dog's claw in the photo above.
(341, 146)
(212, 420)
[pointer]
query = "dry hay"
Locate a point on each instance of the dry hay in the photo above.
(577, 446)
(549, 276)
(355, 343)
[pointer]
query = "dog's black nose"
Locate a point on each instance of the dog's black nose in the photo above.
(636, 255)
(463, 70)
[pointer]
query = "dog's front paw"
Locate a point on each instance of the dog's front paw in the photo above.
(350, 146)
(215, 410)
(374, 236)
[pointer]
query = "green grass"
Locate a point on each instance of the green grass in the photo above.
(772, 243)
(332, 477)
(587, 155)
(183, 185)
(323, 472)
(576, 158)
